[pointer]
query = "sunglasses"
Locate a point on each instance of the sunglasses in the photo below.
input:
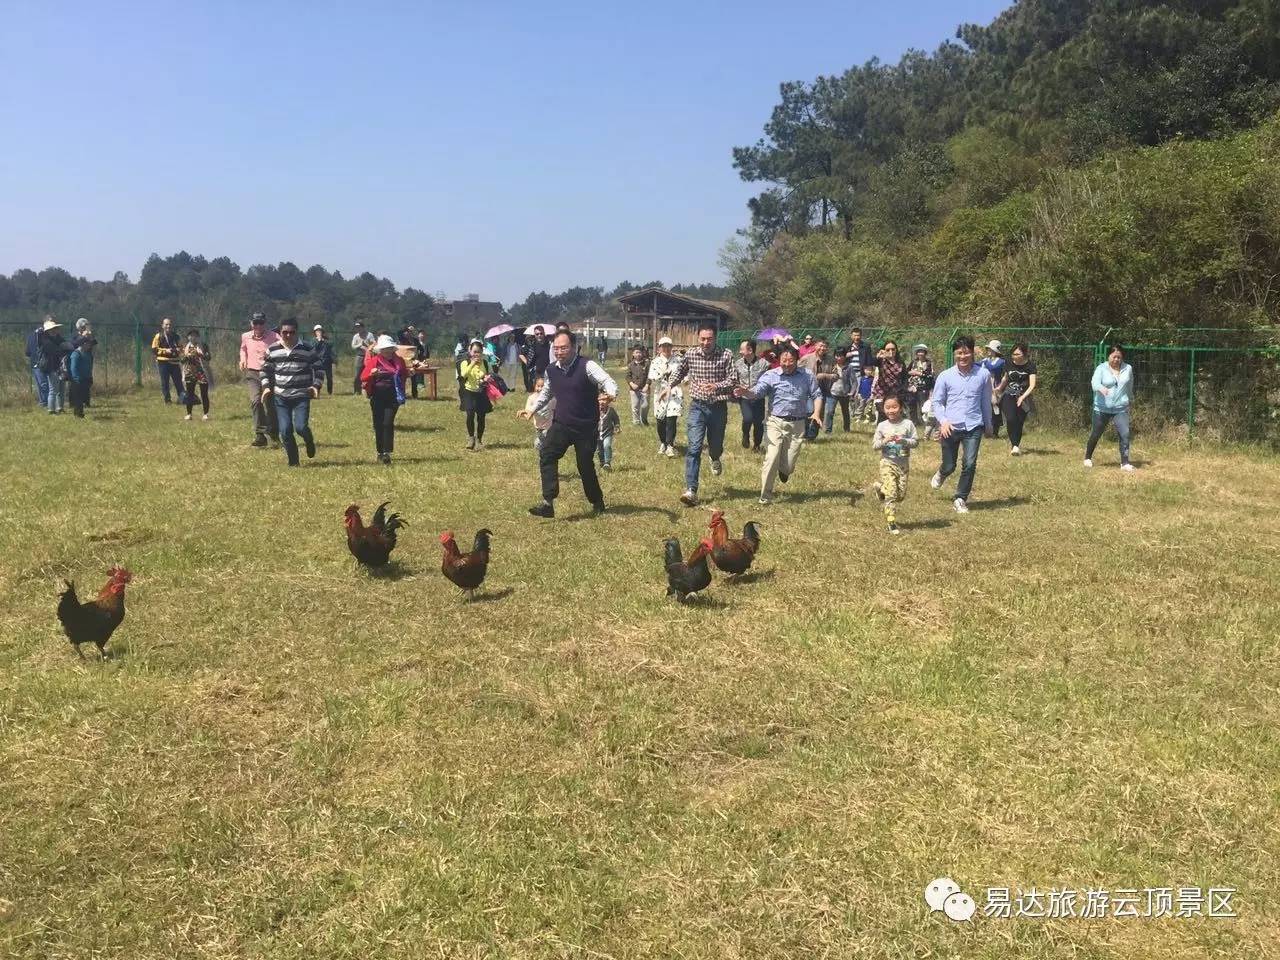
(286, 332)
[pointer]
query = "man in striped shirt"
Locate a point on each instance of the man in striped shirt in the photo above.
(292, 375)
(711, 383)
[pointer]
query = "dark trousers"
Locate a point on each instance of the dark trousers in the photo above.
(192, 386)
(915, 400)
(997, 420)
(355, 384)
(171, 372)
(752, 421)
(969, 440)
(78, 394)
(414, 384)
(526, 369)
(667, 430)
(475, 424)
(328, 377)
(384, 406)
(1015, 416)
(294, 414)
(556, 444)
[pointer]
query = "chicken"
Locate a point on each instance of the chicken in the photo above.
(95, 621)
(372, 545)
(687, 576)
(734, 557)
(466, 570)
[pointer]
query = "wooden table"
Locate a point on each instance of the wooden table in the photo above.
(407, 354)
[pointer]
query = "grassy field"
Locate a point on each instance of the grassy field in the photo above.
(1073, 686)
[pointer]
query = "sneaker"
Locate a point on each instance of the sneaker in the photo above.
(662, 448)
(960, 505)
(783, 477)
(187, 417)
(310, 443)
(671, 452)
(689, 498)
(936, 481)
(1128, 467)
(607, 467)
(479, 445)
(717, 468)
(765, 501)
(385, 458)
(879, 491)
(1088, 462)
(893, 528)
(205, 417)
(1015, 452)
(543, 509)
(259, 442)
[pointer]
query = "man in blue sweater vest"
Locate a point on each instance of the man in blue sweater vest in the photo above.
(576, 383)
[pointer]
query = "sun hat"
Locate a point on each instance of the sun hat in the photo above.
(995, 346)
(50, 325)
(318, 326)
(918, 347)
(665, 341)
(383, 342)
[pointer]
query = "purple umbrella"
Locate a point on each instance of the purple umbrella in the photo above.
(768, 333)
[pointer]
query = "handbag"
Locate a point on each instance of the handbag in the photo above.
(493, 391)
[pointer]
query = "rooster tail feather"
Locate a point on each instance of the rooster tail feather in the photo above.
(379, 521)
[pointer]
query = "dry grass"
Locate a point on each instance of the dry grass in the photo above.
(287, 758)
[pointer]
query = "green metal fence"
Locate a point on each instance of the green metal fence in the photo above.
(1193, 387)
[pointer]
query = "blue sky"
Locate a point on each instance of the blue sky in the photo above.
(494, 148)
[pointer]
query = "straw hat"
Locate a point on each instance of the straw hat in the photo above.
(383, 342)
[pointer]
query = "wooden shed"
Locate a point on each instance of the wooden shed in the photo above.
(674, 315)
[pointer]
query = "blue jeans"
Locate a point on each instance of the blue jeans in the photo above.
(706, 423)
(294, 414)
(752, 421)
(42, 386)
(53, 399)
(171, 371)
(606, 450)
(829, 404)
(970, 439)
(1100, 421)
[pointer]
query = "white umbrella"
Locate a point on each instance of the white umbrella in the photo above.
(498, 331)
(547, 328)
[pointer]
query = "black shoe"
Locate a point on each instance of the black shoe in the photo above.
(311, 446)
(259, 442)
(783, 477)
(543, 509)
(294, 463)
(385, 459)
(598, 508)
(756, 448)
(745, 443)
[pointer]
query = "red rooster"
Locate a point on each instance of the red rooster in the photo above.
(372, 545)
(734, 557)
(466, 570)
(95, 621)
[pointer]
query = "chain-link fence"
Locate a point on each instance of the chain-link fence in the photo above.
(1225, 391)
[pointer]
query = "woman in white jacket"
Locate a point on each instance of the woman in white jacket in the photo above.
(667, 400)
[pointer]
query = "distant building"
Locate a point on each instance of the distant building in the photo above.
(662, 313)
(469, 315)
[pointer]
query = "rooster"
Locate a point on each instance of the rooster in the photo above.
(734, 557)
(94, 621)
(466, 570)
(372, 545)
(687, 576)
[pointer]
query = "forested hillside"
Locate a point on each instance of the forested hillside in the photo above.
(1076, 163)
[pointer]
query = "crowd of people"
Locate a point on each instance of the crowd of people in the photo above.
(787, 393)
